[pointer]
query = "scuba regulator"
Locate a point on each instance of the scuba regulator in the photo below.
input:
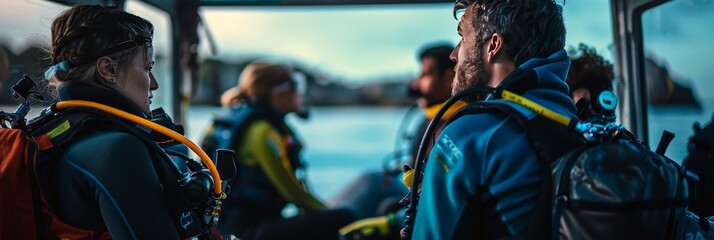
(196, 182)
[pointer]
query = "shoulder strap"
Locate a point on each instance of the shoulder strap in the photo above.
(59, 128)
(20, 220)
(96, 115)
(68, 124)
(664, 142)
(164, 167)
(546, 136)
(549, 140)
(50, 134)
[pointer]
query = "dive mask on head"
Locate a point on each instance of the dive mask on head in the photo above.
(66, 65)
(296, 82)
(138, 41)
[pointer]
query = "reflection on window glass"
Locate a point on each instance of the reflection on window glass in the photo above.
(162, 48)
(678, 64)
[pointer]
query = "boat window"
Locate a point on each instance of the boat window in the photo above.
(25, 40)
(678, 64)
(357, 58)
(352, 45)
(590, 23)
(162, 50)
(345, 47)
(24, 44)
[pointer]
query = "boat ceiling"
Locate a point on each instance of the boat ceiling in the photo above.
(261, 2)
(311, 2)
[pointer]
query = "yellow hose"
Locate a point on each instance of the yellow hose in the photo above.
(559, 118)
(156, 127)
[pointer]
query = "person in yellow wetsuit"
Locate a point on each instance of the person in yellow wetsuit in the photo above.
(267, 157)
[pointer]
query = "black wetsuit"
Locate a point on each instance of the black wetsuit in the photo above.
(108, 179)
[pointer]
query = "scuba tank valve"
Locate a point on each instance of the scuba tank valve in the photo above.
(21, 92)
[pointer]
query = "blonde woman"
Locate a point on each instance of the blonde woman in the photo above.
(267, 156)
(108, 180)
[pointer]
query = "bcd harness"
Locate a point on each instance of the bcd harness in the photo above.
(199, 193)
(560, 143)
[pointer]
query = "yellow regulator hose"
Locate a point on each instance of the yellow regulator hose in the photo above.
(156, 127)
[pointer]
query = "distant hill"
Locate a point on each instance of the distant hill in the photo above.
(323, 89)
(216, 76)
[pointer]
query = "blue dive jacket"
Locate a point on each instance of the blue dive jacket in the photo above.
(482, 176)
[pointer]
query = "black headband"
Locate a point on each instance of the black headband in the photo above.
(138, 41)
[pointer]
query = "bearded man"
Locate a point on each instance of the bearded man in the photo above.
(482, 178)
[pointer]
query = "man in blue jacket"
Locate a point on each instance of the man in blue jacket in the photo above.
(482, 177)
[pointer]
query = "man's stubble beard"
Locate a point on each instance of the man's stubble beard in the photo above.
(470, 73)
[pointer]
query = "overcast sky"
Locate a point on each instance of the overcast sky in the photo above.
(355, 42)
(359, 42)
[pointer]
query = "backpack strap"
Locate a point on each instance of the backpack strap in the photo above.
(664, 142)
(36, 195)
(49, 134)
(559, 195)
(74, 122)
(56, 133)
(192, 224)
(16, 164)
(549, 140)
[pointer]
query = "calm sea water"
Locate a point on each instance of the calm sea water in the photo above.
(343, 142)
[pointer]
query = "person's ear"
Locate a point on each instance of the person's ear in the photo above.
(107, 69)
(494, 46)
